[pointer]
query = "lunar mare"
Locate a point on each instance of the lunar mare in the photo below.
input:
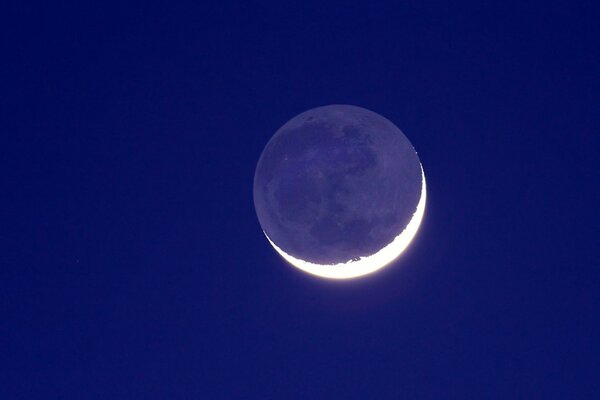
(339, 191)
(368, 264)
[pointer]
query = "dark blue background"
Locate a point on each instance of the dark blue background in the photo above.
(132, 262)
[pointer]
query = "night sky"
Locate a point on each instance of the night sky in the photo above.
(132, 264)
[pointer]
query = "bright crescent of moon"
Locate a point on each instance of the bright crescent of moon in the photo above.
(369, 264)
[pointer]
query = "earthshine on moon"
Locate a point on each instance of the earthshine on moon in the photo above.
(339, 191)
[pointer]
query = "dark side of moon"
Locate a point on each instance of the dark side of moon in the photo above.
(336, 183)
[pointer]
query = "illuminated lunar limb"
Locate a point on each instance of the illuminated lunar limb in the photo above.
(368, 264)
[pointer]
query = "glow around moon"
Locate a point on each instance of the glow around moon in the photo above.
(368, 264)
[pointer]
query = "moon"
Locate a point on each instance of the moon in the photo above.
(339, 191)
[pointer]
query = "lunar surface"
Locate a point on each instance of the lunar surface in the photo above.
(339, 191)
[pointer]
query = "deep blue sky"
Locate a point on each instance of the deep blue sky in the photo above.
(132, 265)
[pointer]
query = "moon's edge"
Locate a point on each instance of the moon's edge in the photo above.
(369, 264)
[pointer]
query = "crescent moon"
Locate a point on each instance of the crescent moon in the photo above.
(369, 264)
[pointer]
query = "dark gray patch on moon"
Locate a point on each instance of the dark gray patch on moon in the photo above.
(336, 183)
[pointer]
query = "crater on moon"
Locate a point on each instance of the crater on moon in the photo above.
(336, 184)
